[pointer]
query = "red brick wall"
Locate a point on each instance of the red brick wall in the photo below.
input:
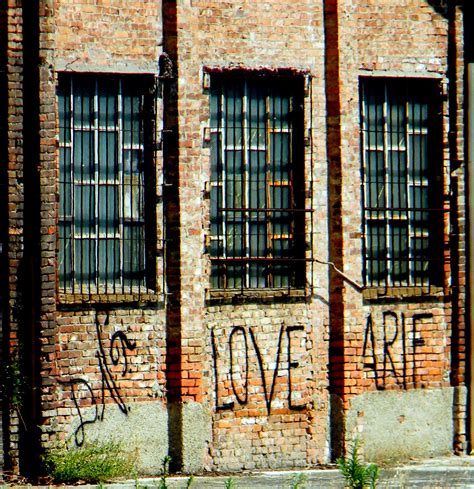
(269, 370)
(117, 35)
(266, 425)
(404, 39)
(83, 337)
(113, 358)
(14, 53)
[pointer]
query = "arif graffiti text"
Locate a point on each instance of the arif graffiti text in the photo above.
(394, 349)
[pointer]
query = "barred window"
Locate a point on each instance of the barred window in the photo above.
(403, 184)
(257, 182)
(104, 160)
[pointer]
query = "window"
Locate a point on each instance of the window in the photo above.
(257, 182)
(403, 184)
(105, 156)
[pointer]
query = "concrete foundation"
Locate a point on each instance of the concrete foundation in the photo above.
(400, 425)
(144, 430)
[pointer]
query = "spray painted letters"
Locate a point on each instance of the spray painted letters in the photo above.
(236, 368)
(392, 354)
(82, 389)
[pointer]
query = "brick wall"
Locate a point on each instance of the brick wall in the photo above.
(14, 246)
(249, 343)
(229, 381)
(105, 357)
(4, 203)
(103, 360)
(402, 39)
(112, 35)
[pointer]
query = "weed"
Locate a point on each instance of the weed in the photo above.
(230, 483)
(165, 472)
(189, 481)
(89, 463)
(357, 474)
(138, 486)
(13, 381)
(299, 480)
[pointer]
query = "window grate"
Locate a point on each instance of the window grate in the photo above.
(104, 160)
(402, 178)
(257, 183)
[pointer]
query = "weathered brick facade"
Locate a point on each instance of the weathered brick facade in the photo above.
(229, 379)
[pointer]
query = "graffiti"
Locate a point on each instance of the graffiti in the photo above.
(239, 372)
(395, 360)
(75, 384)
(119, 347)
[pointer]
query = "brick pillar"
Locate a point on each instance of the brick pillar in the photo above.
(336, 286)
(13, 223)
(4, 214)
(28, 275)
(47, 182)
(173, 234)
(456, 76)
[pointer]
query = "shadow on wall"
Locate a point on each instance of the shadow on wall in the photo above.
(440, 6)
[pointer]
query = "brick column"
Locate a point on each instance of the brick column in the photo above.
(13, 180)
(337, 359)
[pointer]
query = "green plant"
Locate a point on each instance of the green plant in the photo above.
(165, 472)
(189, 481)
(357, 474)
(90, 463)
(299, 480)
(14, 382)
(138, 486)
(230, 483)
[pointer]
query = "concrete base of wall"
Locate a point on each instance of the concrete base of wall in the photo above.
(394, 425)
(197, 434)
(190, 434)
(144, 430)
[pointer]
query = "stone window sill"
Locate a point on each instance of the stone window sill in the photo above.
(403, 293)
(253, 294)
(102, 298)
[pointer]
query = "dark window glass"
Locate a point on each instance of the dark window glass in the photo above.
(102, 237)
(402, 173)
(257, 195)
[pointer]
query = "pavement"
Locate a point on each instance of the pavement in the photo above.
(442, 472)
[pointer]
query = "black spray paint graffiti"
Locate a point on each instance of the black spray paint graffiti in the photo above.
(394, 333)
(240, 387)
(119, 346)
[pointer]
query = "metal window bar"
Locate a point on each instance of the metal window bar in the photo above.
(102, 189)
(256, 239)
(402, 184)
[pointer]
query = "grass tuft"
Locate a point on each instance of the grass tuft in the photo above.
(92, 463)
